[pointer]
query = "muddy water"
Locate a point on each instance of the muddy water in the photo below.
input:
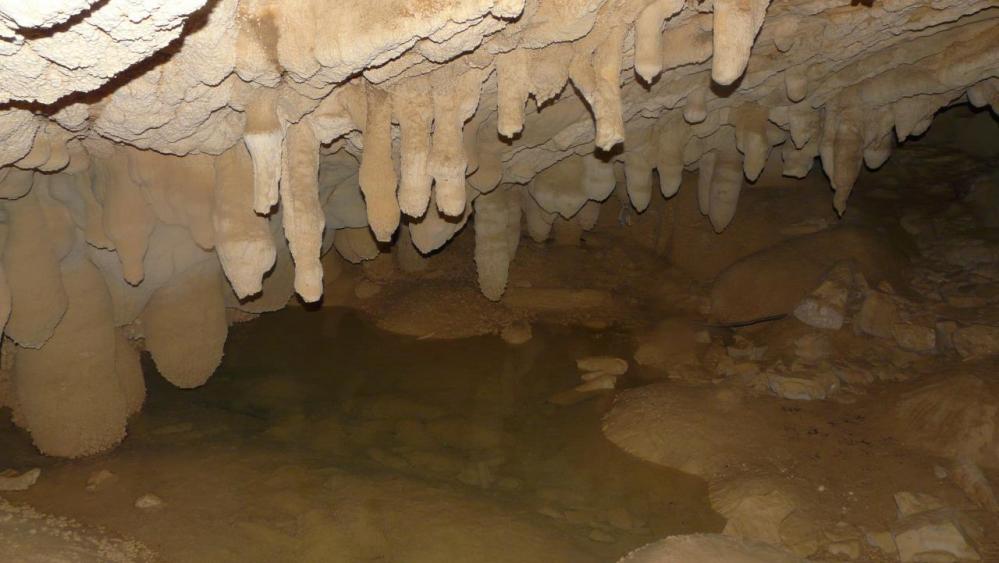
(323, 438)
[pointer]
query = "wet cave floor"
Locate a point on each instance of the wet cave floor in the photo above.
(324, 438)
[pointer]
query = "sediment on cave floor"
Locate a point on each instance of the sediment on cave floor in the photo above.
(499, 280)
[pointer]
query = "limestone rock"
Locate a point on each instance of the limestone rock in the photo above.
(932, 535)
(877, 315)
(602, 364)
(914, 503)
(914, 337)
(772, 282)
(953, 418)
(976, 342)
(818, 386)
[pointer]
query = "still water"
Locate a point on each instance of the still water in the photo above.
(323, 438)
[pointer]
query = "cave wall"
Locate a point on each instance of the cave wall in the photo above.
(162, 161)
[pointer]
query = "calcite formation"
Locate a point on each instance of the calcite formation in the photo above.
(161, 161)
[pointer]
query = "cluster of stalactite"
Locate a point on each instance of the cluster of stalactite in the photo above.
(218, 176)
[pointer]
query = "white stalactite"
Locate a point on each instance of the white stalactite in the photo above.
(243, 239)
(455, 99)
(492, 256)
(513, 83)
(303, 215)
(264, 137)
(649, 35)
(413, 109)
(736, 24)
(377, 172)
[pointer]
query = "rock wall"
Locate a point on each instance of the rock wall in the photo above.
(162, 161)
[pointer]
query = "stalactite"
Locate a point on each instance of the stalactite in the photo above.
(842, 151)
(673, 136)
(879, 141)
(596, 72)
(455, 99)
(695, 111)
(184, 324)
(413, 109)
(128, 219)
(73, 191)
(513, 81)
(61, 231)
(539, 222)
(607, 95)
(597, 181)
(726, 183)
(750, 122)
(264, 136)
(377, 173)
(796, 83)
(985, 93)
(638, 165)
(303, 215)
(797, 162)
(559, 188)
(913, 115)
(490, 150)
(32, 267)
(179, 191)
(492, 257)
(76, 186)
(549, 72)
(279, 283)
(648, 37)
(243, 239)
(804, 124)
(736, 23)
(128, 299)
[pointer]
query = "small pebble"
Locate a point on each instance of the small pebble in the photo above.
(149, 501)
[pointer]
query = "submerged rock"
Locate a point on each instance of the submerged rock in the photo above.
(12, 481)
(517, 333)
